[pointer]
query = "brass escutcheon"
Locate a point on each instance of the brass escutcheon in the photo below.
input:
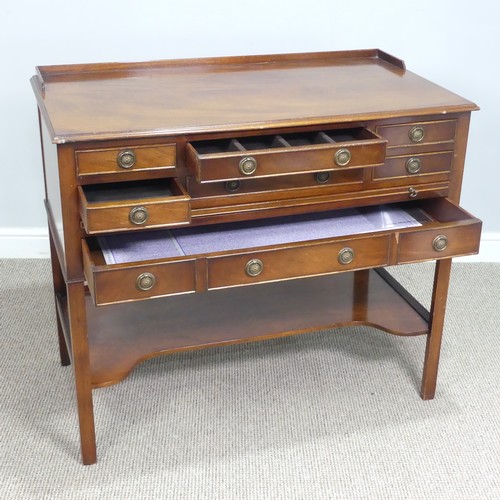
(254, 267)
(342, 157)
(138, 215)
(413, 165)
(248, 165)
(439, 243)
(416, 133)
(145, 281)
(345, 256)
(126, 159)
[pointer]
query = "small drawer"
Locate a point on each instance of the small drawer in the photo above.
(309, 260)
(418, 133)
(110, 284)
(286, 154)
(452, 232)
(414, 165)
(127, 160)
(128, 206)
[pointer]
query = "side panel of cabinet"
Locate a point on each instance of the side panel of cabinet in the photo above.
(459, 159)
(62, 203)
(53, 201)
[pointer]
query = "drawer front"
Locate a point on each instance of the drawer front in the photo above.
(414, 165)
(271, 156)
(440, 243)
(109, 284)
(274, 185)
(418, 133)
(126, 160)
(148, 211)
(142, 282)
(307, 260)
(225, 193)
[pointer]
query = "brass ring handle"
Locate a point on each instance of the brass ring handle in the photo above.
(254, 267)
(248, 165)
(322, 177)
(138, 215)
(345, 256)
(439, 243)
(342, 157)
(232, 186)
(416, 133)
(145, 281)
(413, 165)
(126, 158)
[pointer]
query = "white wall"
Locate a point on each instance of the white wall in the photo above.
(454, 43)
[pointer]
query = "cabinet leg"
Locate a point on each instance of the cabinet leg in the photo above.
(59, 288)
(437, 313)
(81, 367)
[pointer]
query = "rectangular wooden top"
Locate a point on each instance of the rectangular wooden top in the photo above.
(117, 100)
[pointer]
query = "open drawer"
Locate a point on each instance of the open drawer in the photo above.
(125, 267)
(133, 205)
(285, 154)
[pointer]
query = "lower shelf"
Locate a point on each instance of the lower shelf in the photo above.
(120, 336)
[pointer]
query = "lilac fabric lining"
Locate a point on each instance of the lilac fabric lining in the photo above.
(130, 247)
(121, 248)
(271, 232)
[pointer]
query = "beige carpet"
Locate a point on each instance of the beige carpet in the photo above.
(334, 414)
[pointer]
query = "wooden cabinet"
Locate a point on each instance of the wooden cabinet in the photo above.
(173, 186)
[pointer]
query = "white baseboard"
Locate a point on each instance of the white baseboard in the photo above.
(24, 243)
(489, 251)
(33, 243)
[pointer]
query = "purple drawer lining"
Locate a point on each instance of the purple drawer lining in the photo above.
(164, 244)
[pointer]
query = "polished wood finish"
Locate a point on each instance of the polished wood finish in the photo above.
(317, 201)
(298, 261)
(112, 283)
(92, 163)
(416, 247)
(434, 132)
(433, 344)
(279, 155)
(59, 290)
(117, 283)
(430, 163)
(232, 94)
(111, 208)
(77, 319)
(120, 336)
(163, 141)
(282, 187)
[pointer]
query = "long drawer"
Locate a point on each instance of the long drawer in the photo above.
(285, 154)
(122, 268)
